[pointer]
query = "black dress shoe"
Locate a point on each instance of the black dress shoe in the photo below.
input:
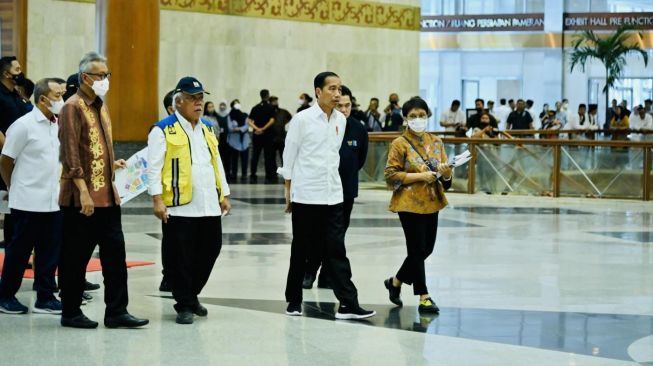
(165, 286)
(79, 321)
(394, 293)
(185, 317)
(124, 321)
(307, 284)
(91, 286)
(200, 310)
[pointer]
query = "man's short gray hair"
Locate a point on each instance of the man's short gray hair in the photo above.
(174, 99)
(42, 88)
(85, 63)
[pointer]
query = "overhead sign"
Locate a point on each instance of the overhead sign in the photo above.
(606, 21)
(483, 23)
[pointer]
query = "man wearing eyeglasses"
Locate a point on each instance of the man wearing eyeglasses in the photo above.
(90, 202)
(189, 193)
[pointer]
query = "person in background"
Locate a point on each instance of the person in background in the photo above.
(592, 121)
(261, 119)
(281, 119)
(490, 107)
(238, 140)
(167, 103)
(529, 108)
(454, 118)
(648, 106)
(550, 121)
(304, 102)
(520, 119)
(393, 120)
(619, 122)
(356, 112)
(474, 120)
(221, 129)
(486, 131)
(641, 120)
(610, 114)
(502, 113)
(418, 173)
(12, 107)
(578, 121)
(27, 89)
(624, 108)
(373, 117)
(511, 104)
(165, 285)
(72, 84)
(561, 114)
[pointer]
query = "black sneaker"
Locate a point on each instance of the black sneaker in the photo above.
(200, 310)
(11, 305)
(294, 309)
(86, 298)
(91, 286)
(184, 317)
(428, 306)
(394, 293)
(353, 313)
(307, 284)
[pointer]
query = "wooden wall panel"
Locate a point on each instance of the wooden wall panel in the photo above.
(13, 16)
(132, 49)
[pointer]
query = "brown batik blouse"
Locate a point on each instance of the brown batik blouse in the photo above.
(86, 151)
(418, 197)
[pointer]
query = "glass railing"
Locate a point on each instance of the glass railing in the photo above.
(555, 167)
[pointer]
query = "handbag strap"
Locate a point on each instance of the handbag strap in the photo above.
(418, 153)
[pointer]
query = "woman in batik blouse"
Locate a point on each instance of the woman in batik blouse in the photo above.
(418, 174)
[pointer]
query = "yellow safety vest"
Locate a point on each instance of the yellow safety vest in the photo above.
(176, 176)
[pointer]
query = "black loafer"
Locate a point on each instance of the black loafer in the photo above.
(88, 286)
(79, 321)
(394, 293)
(185, 317)
(200, 310)
(124, 321)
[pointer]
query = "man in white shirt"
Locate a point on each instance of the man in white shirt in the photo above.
(578, 121)
(314, 196)
(30, 164)
(453, 118)
(640, 120)
(502, 113)
(189, 192)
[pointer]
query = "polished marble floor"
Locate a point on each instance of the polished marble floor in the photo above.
(520, 280)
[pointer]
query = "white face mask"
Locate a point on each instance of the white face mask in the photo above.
(237, 106)
(300, 102)
(417, 124)
(100, 87)
(55, 106)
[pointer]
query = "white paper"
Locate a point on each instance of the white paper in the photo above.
(132, 180)
(4, 202)
(460, 160)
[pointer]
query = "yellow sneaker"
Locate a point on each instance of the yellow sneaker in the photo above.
(428, 306)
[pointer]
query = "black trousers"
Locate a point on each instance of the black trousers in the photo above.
(225, 155)
(320, 226)
(264, 143)
(244, 160)
(81, 234)
(191, 246)
(33, 230)
(420, 231)
(315, 255)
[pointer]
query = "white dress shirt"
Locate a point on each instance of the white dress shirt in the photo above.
(33, 142)
(637, 123)
(205, 201)
(453, 117)
(502, 113)
(311, 157)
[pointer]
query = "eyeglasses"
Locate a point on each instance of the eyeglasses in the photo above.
(101, 76)
(194, 97)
